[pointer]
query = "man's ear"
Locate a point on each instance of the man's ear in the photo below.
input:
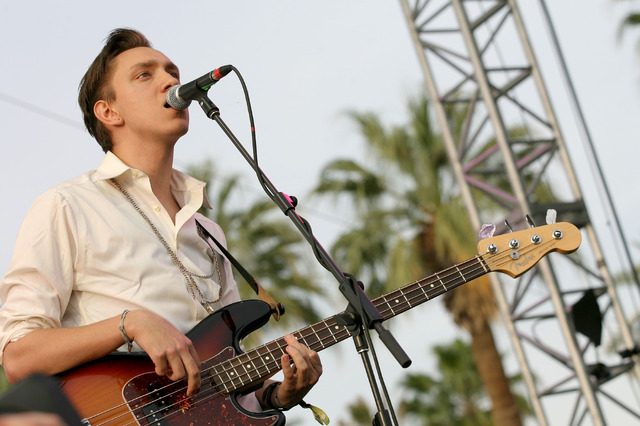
(107, 115)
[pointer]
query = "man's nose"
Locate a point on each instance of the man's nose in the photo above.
(170, 81)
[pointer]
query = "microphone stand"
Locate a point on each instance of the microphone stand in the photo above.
(360, 315)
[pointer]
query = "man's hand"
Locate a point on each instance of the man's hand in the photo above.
(172, 352)
(300, 377)
(31, 419)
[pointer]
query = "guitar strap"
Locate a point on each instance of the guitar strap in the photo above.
(277, 308)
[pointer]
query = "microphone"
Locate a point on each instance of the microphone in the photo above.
(180, 96)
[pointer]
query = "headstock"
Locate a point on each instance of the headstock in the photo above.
(517, 252)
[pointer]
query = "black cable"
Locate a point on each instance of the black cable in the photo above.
(40, 111)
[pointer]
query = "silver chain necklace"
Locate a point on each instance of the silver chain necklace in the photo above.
(187, 275)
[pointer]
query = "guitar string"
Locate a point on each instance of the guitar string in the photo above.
(497, 259)
(474, 265)
(426, 281)
(203, 397)
(419, 283)
(471, 264)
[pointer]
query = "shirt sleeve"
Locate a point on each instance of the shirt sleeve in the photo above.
(36, 288)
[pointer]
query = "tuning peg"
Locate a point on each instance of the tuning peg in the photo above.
(506, 223)
(487, 231)
(551, 216)
(530, 221)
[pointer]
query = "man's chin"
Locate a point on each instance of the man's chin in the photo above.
(181, 131)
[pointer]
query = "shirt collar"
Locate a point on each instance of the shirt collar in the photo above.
(181, 183)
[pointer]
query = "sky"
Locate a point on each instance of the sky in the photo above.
(305, 64)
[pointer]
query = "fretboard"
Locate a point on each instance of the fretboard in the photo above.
(262, 362)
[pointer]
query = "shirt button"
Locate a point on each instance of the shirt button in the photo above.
(157, 209)
(134, 174)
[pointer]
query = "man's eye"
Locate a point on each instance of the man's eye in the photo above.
(143, 74)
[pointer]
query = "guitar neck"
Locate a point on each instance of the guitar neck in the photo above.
(411, 295)
(262, 362)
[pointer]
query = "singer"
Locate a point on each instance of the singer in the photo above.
(112, 260)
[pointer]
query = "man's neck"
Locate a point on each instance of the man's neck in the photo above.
(158, 165)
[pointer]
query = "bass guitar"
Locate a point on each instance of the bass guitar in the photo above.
(123, 389)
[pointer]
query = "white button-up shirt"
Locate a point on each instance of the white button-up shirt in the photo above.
(84, 254)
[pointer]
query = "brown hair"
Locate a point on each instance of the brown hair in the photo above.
(95, 86)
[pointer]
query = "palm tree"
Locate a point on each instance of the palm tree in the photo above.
(413, 223)
(360, 414)
(456, 397)
(631, 20)
(268, 248)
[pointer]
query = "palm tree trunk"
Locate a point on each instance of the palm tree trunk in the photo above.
(505, 410)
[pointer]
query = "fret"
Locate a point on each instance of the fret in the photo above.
(229, 376)
(236, 378)
(441, 282)
(317, 335)
(464, 279)
(219, 380)
(244, 369)
(482, 263)
(334, 329)
(422, 287)
(266, 356)
(328, 337)
(249, 367)
(338, 329)
(330, 333)
(389, 306)
(405, 301)
(301, 338)
(277, 349)
(272, 363)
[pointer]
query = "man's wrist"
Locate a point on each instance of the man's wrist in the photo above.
(127, 340)
(276, 400)
(270, 396)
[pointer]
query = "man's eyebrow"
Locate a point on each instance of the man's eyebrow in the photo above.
(151, 63)
(144, 64)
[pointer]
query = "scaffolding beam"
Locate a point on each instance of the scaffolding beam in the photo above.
(476, 56)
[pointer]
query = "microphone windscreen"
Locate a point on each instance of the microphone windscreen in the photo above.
(174, 100)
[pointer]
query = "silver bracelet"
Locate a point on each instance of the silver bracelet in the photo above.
(128, 341)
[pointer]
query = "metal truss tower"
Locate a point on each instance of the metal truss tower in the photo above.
(477, 58)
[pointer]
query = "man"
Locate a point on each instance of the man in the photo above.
(114, 256)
